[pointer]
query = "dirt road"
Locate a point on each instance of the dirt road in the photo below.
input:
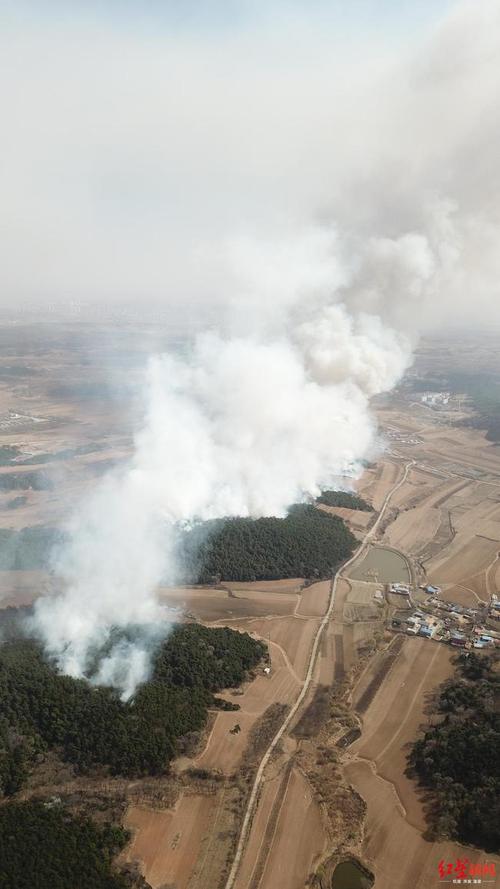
(247, 820)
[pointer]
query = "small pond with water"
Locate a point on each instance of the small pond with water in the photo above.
(348, 875)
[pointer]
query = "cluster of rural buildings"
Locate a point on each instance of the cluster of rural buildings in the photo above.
(435, 399)
(445, 621)
(494, 612)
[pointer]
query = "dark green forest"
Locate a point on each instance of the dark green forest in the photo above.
(458, 759)
(306, 543)
(345, 499)
(90, 726)
(43, 847)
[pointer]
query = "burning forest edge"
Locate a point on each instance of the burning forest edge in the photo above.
(305, 543)
(91, 727)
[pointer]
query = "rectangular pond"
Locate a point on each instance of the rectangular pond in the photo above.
(381, 565)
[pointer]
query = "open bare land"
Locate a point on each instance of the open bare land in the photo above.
(292, 847)
(392, 719)
(168, 843)
(396, 851)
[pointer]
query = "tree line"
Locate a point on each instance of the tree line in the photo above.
(306, 543)
(345, 499)
(458, 759)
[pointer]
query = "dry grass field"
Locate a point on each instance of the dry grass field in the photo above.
(261, 835)
(225, 751)
(314, 600)
(376, 483)
(392, 719)
(167, 843)
(392, 847)
(21, 587)
(295, 844)
(357, 520)
(293, 635)
(207, 604)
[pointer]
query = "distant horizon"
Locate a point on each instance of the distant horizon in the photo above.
(158, 153)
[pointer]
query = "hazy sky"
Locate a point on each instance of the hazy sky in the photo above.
(391, 16)
(139, 139)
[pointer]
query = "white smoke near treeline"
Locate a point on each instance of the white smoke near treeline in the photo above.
(272, 404)
(242, 425)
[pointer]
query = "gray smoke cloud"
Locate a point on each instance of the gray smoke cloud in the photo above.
(371, 210)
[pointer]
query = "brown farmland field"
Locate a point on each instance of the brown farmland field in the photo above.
(224, 750)
(392, 847)
(295, 844)
(167, 843)
(396, 712)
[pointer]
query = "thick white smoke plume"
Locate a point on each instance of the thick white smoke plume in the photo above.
(242, 425)
(273, 403)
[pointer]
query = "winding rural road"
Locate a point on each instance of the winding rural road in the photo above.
(247, 820)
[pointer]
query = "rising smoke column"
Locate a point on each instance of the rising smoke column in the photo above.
(241, 425)
(274, 403)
